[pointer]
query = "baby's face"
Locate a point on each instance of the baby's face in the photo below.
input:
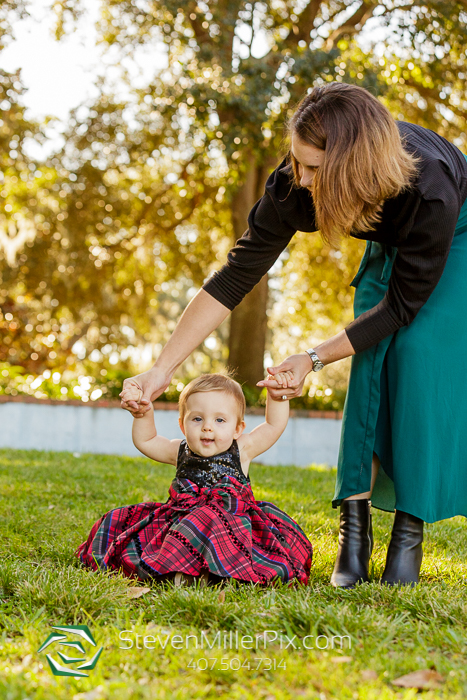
(211, 422)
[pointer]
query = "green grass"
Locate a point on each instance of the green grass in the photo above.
(49, 501)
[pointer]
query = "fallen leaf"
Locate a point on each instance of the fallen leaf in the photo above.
(423, 678)
(340, 659)
(369, 675)
(221, 597)
(51, 506)
(136, 591)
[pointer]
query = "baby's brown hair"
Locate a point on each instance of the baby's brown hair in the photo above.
(213, 382)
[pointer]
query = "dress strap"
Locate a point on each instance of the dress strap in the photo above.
(235, 451)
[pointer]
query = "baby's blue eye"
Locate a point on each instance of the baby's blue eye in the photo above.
(220, 419)
(197, 418)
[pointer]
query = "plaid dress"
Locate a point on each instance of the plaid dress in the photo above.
(211, 522)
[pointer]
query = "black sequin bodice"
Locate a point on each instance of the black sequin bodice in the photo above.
(207, 471)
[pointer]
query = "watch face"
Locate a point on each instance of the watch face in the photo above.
(317, 364)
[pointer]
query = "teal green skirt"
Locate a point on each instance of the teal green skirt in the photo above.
(407, 396)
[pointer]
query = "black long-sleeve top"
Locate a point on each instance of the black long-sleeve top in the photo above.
(419, 223)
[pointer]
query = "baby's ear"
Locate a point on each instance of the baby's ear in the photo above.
(239, 429)
(180, 422)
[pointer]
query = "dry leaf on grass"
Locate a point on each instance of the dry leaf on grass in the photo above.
(221, 597)
(369, 675)
(423, 678)
(136, 591)
(341, 659)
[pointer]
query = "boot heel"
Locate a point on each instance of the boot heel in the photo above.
(355, 544)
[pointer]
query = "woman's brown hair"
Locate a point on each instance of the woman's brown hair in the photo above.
(365, 162)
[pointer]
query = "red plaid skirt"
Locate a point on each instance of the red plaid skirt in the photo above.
(222, 530)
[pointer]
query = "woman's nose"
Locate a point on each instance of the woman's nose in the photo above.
(306, 179)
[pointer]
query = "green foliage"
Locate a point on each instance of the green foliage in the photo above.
(107, 384)
(48, 503)
(103, 245)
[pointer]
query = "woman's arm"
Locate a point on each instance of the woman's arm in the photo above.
(272, 222)
(200, 318)
(202, 315)
(416, 271)
(418, 266)
(256, 251)
(331, 350)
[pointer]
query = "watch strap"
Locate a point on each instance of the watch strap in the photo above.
(317, 364)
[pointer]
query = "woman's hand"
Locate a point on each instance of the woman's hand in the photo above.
(289, 377)
(281, 380)
(139, 391)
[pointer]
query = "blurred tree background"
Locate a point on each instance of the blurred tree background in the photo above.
(103, 243)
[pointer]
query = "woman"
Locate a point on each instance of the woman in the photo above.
(353, 170)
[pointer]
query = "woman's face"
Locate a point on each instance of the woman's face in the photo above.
(308, 157)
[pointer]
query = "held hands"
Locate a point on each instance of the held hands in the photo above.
(282, 380)
(132, 392)
(139, 391)
(287, 379)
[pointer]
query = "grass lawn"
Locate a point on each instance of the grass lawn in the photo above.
(49, 502)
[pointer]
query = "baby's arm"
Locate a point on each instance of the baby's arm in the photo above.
(145, 436)
(265, 435)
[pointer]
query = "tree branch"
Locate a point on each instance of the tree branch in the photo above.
(202, 35)
(252, 25)
(302, 29)
(403, 8)
(364, 12)
(67, 345)
(306, 20)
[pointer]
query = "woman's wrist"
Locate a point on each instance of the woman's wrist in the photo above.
(310, 361)
(165, 366)
(336, 348)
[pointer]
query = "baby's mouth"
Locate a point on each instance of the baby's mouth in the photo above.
(207, 441)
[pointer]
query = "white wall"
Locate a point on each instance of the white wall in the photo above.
(102, 430)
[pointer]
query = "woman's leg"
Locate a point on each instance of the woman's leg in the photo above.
(375, 464)
(355, 537)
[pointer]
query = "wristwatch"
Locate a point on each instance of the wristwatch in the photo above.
(317, 364)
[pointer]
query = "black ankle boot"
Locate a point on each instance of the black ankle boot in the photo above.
(405, 551)
(355, 544)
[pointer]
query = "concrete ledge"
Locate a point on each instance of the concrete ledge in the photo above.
(158, 406)
(101, 427)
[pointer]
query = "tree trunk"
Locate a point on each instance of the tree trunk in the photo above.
(248, 321)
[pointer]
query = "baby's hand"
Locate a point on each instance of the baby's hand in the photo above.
(283, 379)
(132, 392)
